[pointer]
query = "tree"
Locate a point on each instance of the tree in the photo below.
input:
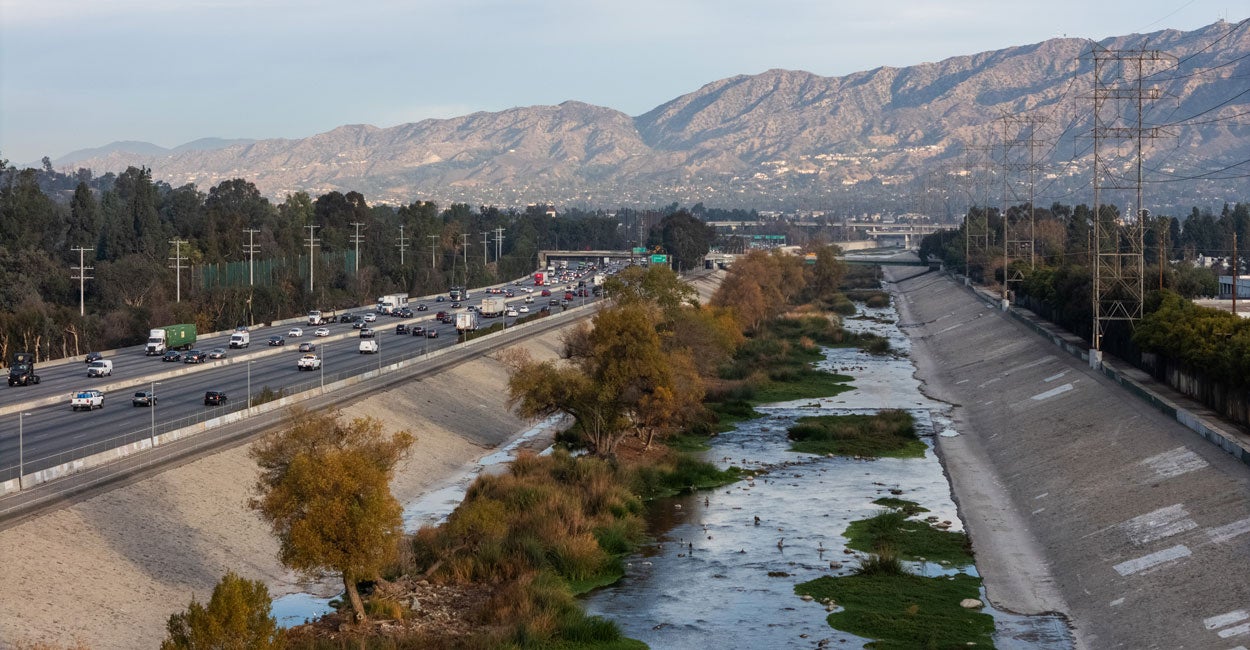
(325, 490)
(686, 238)
(237, 618)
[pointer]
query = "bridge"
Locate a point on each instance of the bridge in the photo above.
(596, 256)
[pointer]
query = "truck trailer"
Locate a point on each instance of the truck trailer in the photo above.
(170, 337)
(466, 321)
(390, 302)
(493, 307)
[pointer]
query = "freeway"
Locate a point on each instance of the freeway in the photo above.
(50, 434)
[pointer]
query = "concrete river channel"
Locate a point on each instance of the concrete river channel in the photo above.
(705, 580)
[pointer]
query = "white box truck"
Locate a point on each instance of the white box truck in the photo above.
(493, 307)
(466, 321)
(390, 302)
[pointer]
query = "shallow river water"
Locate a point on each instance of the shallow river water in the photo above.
(706, 581)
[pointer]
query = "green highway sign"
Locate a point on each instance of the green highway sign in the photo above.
(640, 251)
(659, 259)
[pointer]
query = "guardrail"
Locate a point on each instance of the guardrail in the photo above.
(104, 453)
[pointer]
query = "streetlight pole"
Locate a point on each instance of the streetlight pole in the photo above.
(21, 458)
(152, 406)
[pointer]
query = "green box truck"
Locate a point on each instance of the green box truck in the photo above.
(171, 337)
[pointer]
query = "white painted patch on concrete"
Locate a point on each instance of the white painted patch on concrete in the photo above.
(962, 381)
(1039, 511)
(1234, 631)
(1058, 390)
(1042, 495)
(1240, 647)
(1156, 525)
(1174, 463)
(1117, 602)
(1235, 616)
(1054, 377)
(1152, 560)
(988, 382)
(1228, 531)
(1032, 364)
(945, 330)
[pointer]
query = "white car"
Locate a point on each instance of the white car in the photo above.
(529, 299)
(295, 331)
(510, 313)
(370, 317)
(529, 290)
(524, 309)
(308, 362)
(322, 331)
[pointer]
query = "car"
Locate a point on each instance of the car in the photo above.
(440, 299)
(358, 325)
(564, 304)
(568, 295)
(528, 289)
(172, 355)
(403, 312)
(440, 315)
(422, 307)
(217, 353)
(194, 356)
(87, 400)
(455, 305)
(308, 362)
(401, 329)
(307, 347)
(277, 340)
(322, 331)
(509, 294)
(295, 332)
(546, 292)
(366, 333)
(523, 309)
(214, 398)
(529, 299)
(447, 319)
(349, 318)
(418, 331)
(511, 312)
(431, 333)
(143, 398)
(553, 302)
(470, 308)
(94, 356)
(370, 317)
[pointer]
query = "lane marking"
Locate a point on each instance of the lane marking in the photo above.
(1229, 531)
(1059, 390)
(1234, 631)
(1117, 602)
(1152, 560)
(1054, 377)
(1032, 364)
(1154, 526)
(1175, 462)
(1220, 620)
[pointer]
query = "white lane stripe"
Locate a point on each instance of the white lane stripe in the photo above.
(1046, 359)
(1150, 561)
(1054, 377)
(1053, 392)
(1234, 631)
(1229, 531)
(1174, 462)
(1156, 525)
(1220, 620)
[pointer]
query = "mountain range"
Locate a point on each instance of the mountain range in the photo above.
(927, 138)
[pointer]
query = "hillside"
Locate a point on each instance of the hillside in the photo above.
(776, 140)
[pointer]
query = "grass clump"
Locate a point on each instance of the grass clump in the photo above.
(909, 539)
(904, 611)
(890, 433)
(909, 508)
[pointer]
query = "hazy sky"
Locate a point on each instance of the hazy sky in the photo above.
(84, 73)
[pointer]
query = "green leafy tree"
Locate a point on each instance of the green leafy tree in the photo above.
(686, 238)
(325, 490)
(237, 617)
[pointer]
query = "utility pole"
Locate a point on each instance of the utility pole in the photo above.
(1119, 274)
(178, 266)
(402, 245)
(433, 245)
(250, 249)
(356, 239)
(485, 240)
(1235, 268)
(82, 277)
(498, 243)
(312, 255)
(464, 246)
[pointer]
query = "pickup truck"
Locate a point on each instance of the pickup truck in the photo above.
(87, 400)
(308, 362)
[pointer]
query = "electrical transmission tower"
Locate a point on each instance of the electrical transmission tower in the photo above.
(1118, 243)
(977, 218)
(82, 277)
(1019, 239)
(177, 266)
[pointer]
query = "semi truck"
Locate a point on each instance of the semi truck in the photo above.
(390, 302)
(493, 307)
(466, 321)
(22, 372)
(539, 279)
(170, 337)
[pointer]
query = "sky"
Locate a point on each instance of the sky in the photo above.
(76, 74)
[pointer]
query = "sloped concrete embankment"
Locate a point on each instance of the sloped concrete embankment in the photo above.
(1079, 497)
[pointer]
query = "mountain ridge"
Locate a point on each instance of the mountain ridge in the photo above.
(779, 139)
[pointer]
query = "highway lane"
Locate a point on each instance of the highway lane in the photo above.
(53, 434)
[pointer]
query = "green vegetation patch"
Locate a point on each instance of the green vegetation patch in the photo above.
(679, 475)
(910, 508)
(800, 383)
(909, 538)
(890, 434)
(905, 611)
(480, 332)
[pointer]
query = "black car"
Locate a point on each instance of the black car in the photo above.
(194, 356)
(422, 307)
(94, 356)
(172, 355)
(401, 329)
(359, 325)
(404, 312)
(439, 299)
(349, 318)
(447, 320)
(366, 332)
(277, 340)
(418, 331)
(455, 305)
(214, 398)
(431, 333)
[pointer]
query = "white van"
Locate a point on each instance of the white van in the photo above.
(368, 346)
(240, 339)
(101, 368)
